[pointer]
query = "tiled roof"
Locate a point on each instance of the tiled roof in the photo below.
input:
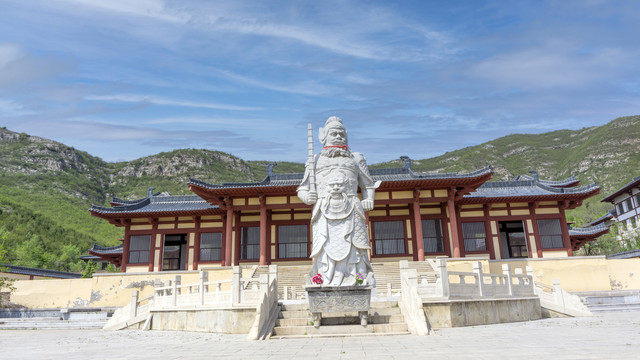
(625, 255)
(384, 175)
(22, 270)
(588, 231)
(156, 204)
(609, 215)
(558, 183)
(106, 250)
(631, 184)
(526, 189)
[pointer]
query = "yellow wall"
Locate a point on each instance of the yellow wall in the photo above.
(103, 290)
(581, 273)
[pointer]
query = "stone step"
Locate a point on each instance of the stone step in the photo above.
(32, 319)
(340, 320)
(294, 314)
(294, 307)
(355, 320)
(49, 325)
(614, 308)
(374, 305)
(339, 330)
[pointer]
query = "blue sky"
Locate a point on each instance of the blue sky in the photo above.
(123, 79)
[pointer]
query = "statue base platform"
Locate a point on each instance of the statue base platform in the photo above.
(328, 299)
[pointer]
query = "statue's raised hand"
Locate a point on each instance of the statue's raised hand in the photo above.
(367, 204)
(311, 197)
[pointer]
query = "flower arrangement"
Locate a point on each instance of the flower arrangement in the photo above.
(359, 279)
(317, 279)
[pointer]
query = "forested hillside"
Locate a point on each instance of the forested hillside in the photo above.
(46, 187)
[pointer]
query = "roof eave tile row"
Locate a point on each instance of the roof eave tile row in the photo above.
(635, 182)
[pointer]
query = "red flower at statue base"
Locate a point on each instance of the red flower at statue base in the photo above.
(317, 279)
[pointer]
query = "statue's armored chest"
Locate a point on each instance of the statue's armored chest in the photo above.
(346, 164)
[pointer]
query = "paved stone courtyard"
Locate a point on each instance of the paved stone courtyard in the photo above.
(604, 336)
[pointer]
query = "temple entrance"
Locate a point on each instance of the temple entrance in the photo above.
(513, 240)
(175, 252)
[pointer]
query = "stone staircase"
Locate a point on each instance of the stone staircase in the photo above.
(294, 320)
(386, 274)
(611, 301)
(54, 319)
(292, 276)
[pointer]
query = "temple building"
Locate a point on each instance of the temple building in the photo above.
(626, 213)
(416, 216)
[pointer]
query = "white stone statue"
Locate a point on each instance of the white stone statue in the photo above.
(331, 181)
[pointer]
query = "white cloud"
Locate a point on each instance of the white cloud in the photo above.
(146, 8)
(12, 108)
(137, 98)
(555, 65)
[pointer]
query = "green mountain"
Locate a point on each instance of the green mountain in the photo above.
(46, 187)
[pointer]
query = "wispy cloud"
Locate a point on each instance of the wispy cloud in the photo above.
(137, 98)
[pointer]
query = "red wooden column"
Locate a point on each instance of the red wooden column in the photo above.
(417, 219)
(488, 232)
(125, 247)
(263, 230)
(152, 252)
(453, 220)
(228, 234)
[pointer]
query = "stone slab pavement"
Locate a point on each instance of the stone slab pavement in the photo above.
(603, 336)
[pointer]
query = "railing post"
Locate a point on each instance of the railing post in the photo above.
(477, 268)
(444, 277)
(235, 286)
(529, 269)
(506, 270)
(134, 304)
(203, 279)
(264, 283)
(174, 296)
(273, 272)
(286, 292)
(557, 292)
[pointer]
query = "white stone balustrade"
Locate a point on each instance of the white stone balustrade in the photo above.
(475, 284)
(243, 292)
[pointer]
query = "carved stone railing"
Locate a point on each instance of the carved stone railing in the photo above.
(243, 292)
(554, 298)
(410, 302)
(267, 307)
(457, 284)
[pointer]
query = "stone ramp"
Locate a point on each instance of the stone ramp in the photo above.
(294, 321)
(611, 301)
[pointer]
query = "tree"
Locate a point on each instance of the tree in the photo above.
(6, 284)
(89, 269)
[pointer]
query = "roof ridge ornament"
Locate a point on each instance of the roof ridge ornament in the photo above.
(407, 162)
(150, 192)
(270, 167)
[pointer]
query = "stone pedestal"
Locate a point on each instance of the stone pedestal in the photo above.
(326, 299)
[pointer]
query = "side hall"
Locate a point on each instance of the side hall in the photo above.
(416, 216)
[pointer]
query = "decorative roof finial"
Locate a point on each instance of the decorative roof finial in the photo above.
(534, 174)
(150, 192)
(270, 167)
(407, 162)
